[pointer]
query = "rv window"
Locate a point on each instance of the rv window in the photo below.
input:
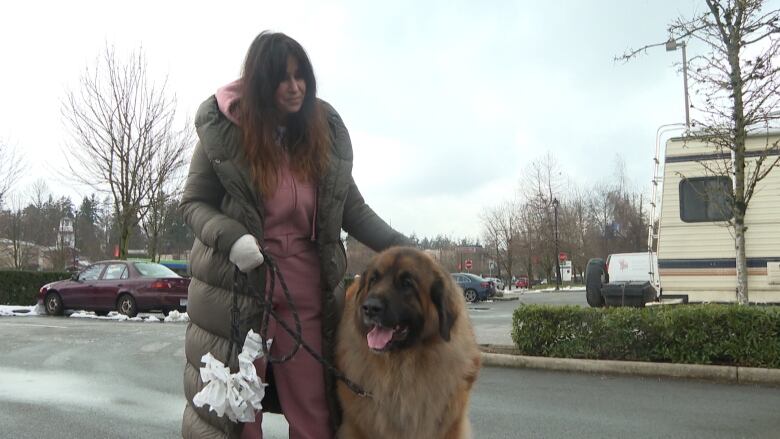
(705, 199)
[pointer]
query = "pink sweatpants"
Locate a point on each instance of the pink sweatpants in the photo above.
(299, 381)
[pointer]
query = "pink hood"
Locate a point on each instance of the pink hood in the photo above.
(227, 100)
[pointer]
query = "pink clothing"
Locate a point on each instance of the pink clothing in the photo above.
(289, 229)
(289, 225)
(227, 100)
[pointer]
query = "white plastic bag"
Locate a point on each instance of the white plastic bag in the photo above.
(236, 395)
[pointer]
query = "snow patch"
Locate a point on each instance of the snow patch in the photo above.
(37, 310)
(176, 316)
(17, 310)
(113, 315)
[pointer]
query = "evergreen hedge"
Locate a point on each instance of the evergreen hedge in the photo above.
(694, 334)
(21, 287)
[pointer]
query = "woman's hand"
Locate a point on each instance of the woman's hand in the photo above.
(246, 254)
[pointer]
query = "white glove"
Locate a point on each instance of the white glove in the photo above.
(245, 253)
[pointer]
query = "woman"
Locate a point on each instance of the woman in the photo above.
(273, 166)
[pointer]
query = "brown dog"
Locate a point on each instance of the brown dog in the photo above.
(406, 338)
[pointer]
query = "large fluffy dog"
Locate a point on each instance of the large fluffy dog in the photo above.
(406, 338)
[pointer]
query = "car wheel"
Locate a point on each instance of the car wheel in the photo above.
(126, 305)
(593, 273)
(471, 295)
(53, 304)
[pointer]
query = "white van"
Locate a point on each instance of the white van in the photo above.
(624, 279)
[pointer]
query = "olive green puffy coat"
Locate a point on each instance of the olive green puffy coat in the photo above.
(221, 204)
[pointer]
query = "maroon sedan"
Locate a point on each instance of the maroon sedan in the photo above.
(125, 286)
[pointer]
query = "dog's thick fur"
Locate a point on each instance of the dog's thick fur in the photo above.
(419, 384)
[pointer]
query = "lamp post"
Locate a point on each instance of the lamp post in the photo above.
(557, 258)
(672, 45)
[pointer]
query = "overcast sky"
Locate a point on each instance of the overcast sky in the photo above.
(446, 101)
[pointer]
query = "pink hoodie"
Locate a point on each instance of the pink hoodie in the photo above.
(227, 99)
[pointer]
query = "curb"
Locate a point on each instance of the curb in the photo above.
(730, 374)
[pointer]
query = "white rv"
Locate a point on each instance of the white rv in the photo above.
(695, 248)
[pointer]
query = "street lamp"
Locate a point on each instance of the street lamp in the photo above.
(672, 45)
(557, 258)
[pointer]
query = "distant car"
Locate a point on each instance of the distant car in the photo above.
(474, 287)
(522, 282)
(126, 286)
(177, 266)
(624, 279)
(496, 281)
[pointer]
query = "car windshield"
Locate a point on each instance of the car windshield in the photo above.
(151, 269)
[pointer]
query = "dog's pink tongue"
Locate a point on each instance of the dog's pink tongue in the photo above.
(379, 337)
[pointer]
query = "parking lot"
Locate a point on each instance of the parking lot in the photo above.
(69, 377)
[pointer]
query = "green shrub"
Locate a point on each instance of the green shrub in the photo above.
(21, 287)
(693, 334)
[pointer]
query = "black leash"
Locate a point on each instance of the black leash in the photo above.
(240, 280)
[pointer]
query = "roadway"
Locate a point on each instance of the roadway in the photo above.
(74, 378)
(492, 320)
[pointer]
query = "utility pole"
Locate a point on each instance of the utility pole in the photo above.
(557, 258)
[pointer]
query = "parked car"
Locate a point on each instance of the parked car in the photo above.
(522, 282)
(496, 281)
(474, 287)
(126, 286)
(624, 279)
(180, 267)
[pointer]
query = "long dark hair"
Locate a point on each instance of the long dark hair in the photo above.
(306, 138)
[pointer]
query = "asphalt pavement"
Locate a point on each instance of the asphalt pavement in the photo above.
(492, 319)
(75, 378)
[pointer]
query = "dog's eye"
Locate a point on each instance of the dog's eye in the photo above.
(406, 281)
(373, 278)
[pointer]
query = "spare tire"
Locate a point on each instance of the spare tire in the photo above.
(593, 274)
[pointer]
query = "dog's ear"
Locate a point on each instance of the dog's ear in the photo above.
(443, 304)
(358, 284)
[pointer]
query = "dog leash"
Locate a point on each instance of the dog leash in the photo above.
(240, 281)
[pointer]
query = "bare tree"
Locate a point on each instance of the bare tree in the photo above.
(10, 168)
(124, 141)
(165, 186)
(18, 250)
(154, 221)
(39, 193)
(106, 220)
(736, 85)
(526, 248)
(575, 225)
(543, 184)
(601, 212)
(501, 230)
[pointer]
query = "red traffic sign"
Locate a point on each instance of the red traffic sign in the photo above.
(562, 257)
(468, 264)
